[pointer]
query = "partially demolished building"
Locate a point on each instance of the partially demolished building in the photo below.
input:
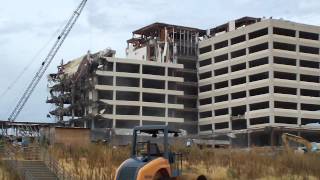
(155, 84)
(257, 78)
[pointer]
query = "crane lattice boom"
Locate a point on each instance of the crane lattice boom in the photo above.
(45, 64)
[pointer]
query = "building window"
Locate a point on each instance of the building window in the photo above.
(260, 105)
(205, 75)
(238, 39)
(221, 98)
(205, 88)
(207, 127)
(309, 92)
(285, 105)
(220, 85)
(258, 77)
(308, 35)
(309, 64)
(129, 68)
(284, 32)
(309, 78)
(305, 121)
(153, 70)
(206, 114)
(153, 111)
(308, 49)
(285, 61)
(152, 97)
(258, 33)
(127, 110)
(285, 120)
(220, 112)
(204, 62)
(205, 49)
(127, 96)
(310, 107)
(155, 84)
(238, 67)
(285, 90)
(129, 82)
(258, 62)
(221, 58)
(205, 101)
(222, 125)
(221, 44)
(238, 53)
(284, 46)
(259, 91)
(241, 80)
(285, 75)
(238, 95)
(259, 120)
(259, 47)
(221, 71)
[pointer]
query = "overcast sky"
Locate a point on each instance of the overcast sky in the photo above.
(27, 26)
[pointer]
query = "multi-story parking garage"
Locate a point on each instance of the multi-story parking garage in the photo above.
(259, 74)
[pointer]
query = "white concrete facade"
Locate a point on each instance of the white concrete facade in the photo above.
(263, 74)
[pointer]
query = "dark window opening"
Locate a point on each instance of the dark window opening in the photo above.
(285, 90)
(284, 46)
(238, 53)
(105, 95)
(308, 49)
(205, 49)
(284, 32)
(285, 75)
(127, 96)
(221, 71)
(151, 97)
(222, 125)
(191, 91)
(154, 70)
(205, 88)
(260, 76)
(258, 62)
(221, 98)
(220, 112)
(310, 107)
(259, 91)
(259, 120)
(207, 127)
(128, 110)
(156, 84)
(206, 114)
(259, 47)
(309, 64)
(220, 85)
(238, 39)
(129, 68)
(221, 44)
(308, 35)
(128, 124)
(172, 85)
(152, 111)
(305, 121)
(309, 78)
(189, 77)
(258, 33)
(105, 80)
(205, 101)
(285, 61)
(238, 95)
(239, 124)
(205, 62)
(238, 81)
(260, 105)
(153, 123)
(285, 120)
(187, 64)
(285, 105)
(205, 75)
(221, 58)
(238, 110)
(129, 82)
(311, 93)
(238, 67)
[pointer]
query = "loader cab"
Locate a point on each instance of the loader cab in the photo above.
(151, 155)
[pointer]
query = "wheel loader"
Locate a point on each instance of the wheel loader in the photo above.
(151, 158)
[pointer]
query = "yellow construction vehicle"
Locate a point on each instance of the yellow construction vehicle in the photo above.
(308, 146)
(151, 158)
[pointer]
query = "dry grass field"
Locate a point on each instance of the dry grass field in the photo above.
(100, 162)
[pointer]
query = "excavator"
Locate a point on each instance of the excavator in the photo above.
(309, 147)
(151, 158)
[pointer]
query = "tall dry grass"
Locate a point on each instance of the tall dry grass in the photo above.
(100, 162)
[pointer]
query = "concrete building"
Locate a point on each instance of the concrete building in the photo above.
(155, 84)
(258, 78)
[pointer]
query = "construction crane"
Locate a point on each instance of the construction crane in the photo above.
(45, 64)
